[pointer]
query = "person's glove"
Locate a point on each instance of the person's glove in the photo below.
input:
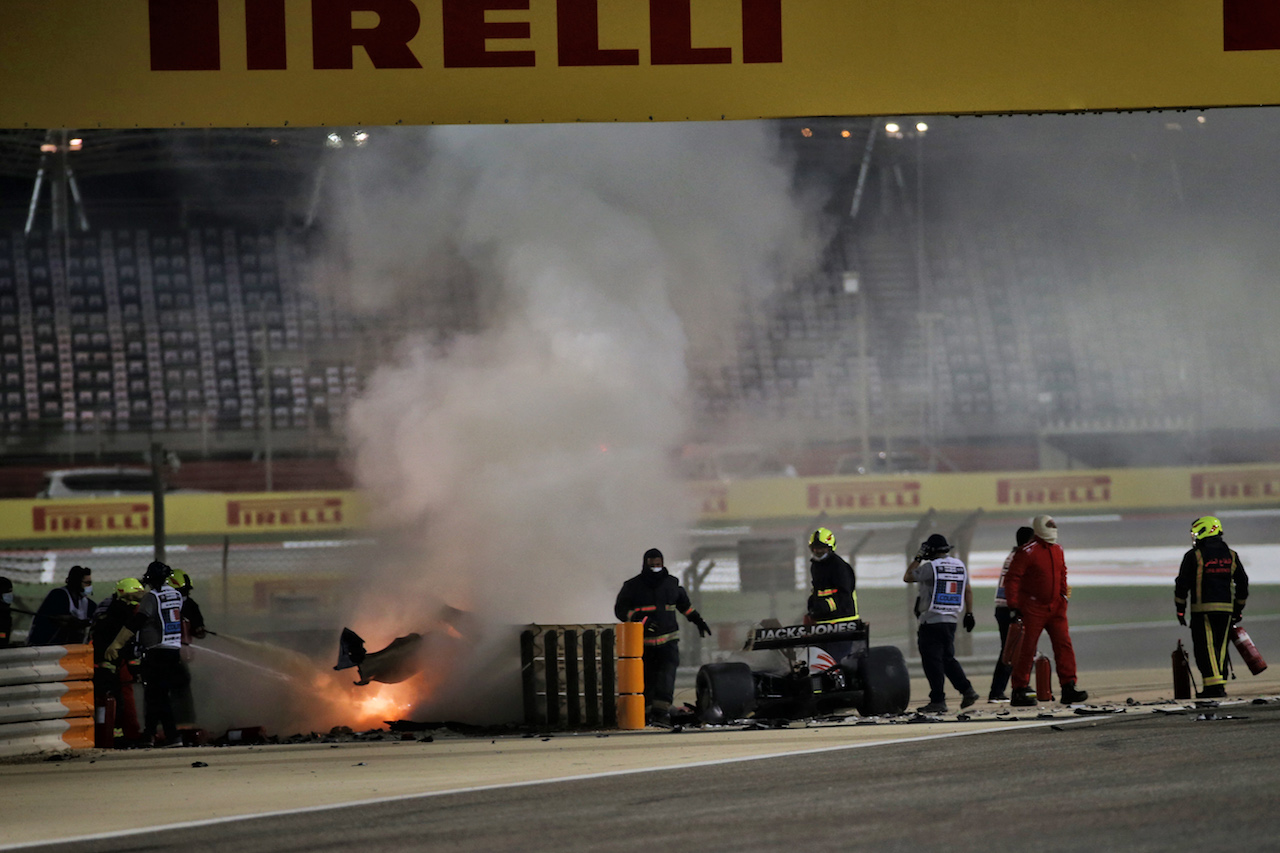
(969, 622)
(1236, 617)
(113, 650)
(704, 630)
(921, 554)
(1015, 615)
(1182, 619)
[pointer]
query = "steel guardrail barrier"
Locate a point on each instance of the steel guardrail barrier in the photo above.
(46, 699)
(569, 676)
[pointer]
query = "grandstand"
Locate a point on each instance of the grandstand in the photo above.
(160, 294)
(198, 331)
(1034, 295)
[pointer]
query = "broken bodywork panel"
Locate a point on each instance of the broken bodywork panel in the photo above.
(395, 663)
(404, 656)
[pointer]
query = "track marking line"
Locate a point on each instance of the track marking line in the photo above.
(194, 824)
(1131, 626)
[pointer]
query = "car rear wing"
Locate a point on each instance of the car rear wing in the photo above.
(790, 636)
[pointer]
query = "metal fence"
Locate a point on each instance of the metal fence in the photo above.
(569, 676)
(245, 588)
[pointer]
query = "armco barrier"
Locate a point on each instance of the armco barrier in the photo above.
(46, 699)
(568, 675)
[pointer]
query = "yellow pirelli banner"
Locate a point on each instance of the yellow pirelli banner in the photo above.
(271, 63)
(1030, 492)
(287, 514)
(301, 515)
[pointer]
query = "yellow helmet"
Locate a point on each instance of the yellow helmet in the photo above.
(822, 538)
(1204, 527)
(180, 580)
(129, 588)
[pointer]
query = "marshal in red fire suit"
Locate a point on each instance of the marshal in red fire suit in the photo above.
(1212, 580)
(1036, 587)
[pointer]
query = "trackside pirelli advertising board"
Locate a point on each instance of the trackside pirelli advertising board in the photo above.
(1023, 492)
(299, 515)
(273, 63)
(287, 514)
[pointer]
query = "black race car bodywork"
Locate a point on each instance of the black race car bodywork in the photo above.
(398, 661)
(782, 684)
(404, 657)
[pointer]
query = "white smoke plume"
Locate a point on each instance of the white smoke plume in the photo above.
(523, 466)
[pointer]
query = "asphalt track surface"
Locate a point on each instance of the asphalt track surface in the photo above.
(1142, 781)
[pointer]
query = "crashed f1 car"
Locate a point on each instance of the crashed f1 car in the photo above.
(787, 672)
(404, 657)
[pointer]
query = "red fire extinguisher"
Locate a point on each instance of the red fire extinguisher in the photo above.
(1009, 654)
(1248, 651)
(1044, 679)
(127, 710)
(1181, 673)
(104, 724)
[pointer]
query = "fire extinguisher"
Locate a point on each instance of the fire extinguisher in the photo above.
(1181, 673)
(1009, 654)
(127, 710)
(1248, 651)
(1044, 679)
(104, 724)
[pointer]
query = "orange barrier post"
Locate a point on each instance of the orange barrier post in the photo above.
(630, 675)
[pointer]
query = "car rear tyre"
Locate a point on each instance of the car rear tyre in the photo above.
(887, 684)
(726, 691)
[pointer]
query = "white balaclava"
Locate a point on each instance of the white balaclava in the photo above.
(1045, 527)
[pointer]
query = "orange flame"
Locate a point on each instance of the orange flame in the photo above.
(375, 704)
(369, 706)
